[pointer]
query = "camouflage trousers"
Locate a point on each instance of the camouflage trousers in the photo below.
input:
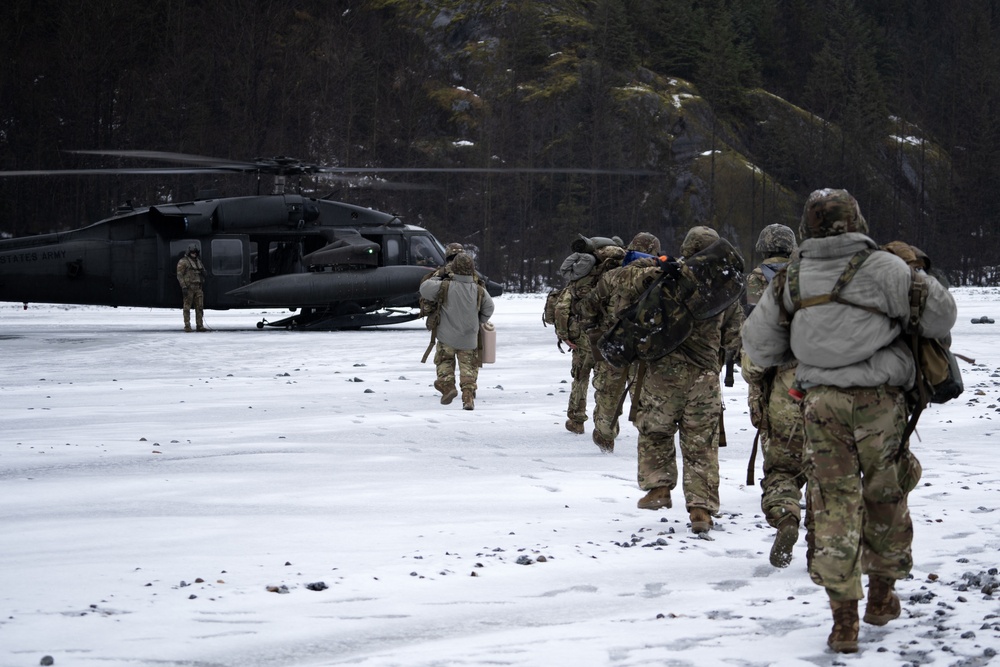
(194, 297)
(610, 385)
(783, 445)
(583, 364)
(859, 479)
(677, 395)
(468, 367)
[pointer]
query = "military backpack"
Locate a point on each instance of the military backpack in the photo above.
(549, 313)
(663, 316)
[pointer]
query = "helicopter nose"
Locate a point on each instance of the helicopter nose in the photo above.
(493, 289)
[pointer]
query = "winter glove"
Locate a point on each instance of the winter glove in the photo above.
(669, 266)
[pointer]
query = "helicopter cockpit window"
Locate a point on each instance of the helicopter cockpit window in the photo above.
(424, 252)
(391, 251)
(227, 257)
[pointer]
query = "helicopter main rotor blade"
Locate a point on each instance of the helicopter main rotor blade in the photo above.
(280, 162)
(115, 172)
(488, 170)
(350, 182)
(170, 157)
(282, 166)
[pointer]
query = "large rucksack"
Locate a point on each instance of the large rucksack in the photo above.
(664, 315)
(549, 313)
(563, 314)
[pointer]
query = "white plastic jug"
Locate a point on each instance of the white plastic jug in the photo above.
(489, 337)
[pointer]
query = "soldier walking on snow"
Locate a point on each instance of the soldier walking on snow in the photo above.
(615, 291)
(464, 305)
(841, 312)
(682, 392)
(774, 413)
(581, 273)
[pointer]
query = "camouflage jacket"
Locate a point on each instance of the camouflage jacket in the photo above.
(711, 338)
(190, 272)
(760, 277)
(615, 291)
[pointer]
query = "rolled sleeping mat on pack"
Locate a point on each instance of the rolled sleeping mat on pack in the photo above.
(593, 243)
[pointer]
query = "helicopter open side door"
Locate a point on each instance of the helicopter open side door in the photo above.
(227, 264)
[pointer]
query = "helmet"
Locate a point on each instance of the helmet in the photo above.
(831, 212)
(452, 249)
(776, 240)
(193, 247)
(697, 239)
(645, 242)
(463, 265)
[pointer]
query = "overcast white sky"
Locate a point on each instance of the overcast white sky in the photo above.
(156, 486)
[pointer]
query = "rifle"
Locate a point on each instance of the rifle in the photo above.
(722, 426)
(753, 459)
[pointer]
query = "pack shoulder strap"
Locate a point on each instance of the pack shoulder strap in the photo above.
(848, 274)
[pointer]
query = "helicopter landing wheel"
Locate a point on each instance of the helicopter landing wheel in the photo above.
(260, 325)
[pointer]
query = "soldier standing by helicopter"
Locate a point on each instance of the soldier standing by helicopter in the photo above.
(191, 275)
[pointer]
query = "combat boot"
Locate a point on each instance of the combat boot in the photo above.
(606, 445)
(187, 328)
(574, 426)
(883, 603)
(468, 403)
(701, 520)
(784, 540)
(844, 637)
(448, 392)
(655, 499)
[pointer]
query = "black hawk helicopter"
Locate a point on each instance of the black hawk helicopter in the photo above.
(339, 265)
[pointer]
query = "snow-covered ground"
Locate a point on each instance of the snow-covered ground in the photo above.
(250, 497)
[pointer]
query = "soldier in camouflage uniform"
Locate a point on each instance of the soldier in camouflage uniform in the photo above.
(774, 413)
(607, 258)
(854, 369)
(464, 306)
(191, 276)
(578, 270)
(681, 391)
(613, 293)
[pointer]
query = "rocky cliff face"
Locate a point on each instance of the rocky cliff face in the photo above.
(738, 169)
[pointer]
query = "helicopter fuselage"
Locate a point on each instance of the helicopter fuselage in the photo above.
(281, 250)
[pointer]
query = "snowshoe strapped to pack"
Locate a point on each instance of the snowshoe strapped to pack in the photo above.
(661, 319)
